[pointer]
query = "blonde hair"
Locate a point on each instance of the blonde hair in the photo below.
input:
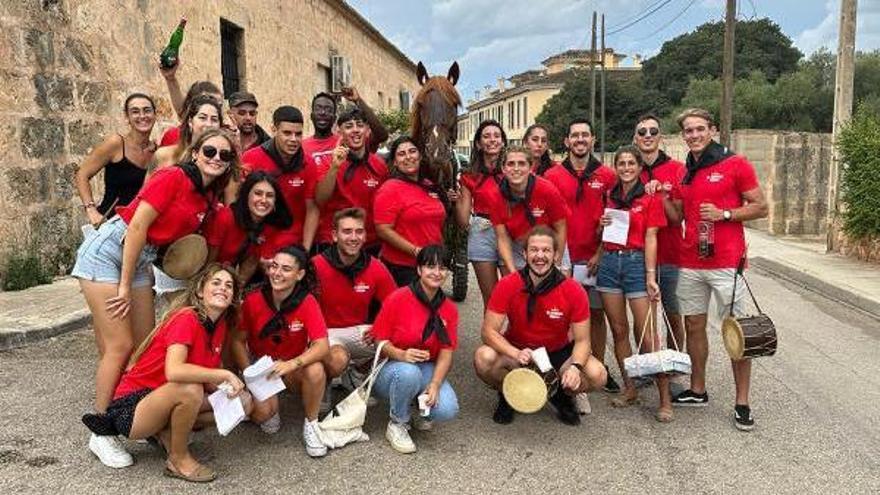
(694, 112)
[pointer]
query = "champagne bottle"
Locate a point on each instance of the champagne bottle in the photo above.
(168, 57)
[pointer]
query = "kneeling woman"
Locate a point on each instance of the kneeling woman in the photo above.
(420, 326)
(163, 393)
(283, 320)
(629, 272)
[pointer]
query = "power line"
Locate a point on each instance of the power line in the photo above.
(640, 18)
(678, 16)
(636, 15)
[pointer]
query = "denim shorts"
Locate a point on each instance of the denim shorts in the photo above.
(482, 244)
(667, 279)
(622, 272)
(99, 257)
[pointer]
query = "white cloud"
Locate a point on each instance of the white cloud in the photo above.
(825, 33)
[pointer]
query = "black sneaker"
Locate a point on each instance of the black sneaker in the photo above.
(565, 408)
(742, 417)
(503, 414)
(610, 386)
(689, 398)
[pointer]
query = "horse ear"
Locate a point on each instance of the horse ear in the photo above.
(453, 73)
(422, 74)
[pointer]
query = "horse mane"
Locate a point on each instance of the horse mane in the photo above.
(437, 83)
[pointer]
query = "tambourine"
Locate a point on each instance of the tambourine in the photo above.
(527, 389)
(184, 257)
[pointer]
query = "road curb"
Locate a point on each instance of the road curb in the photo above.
(817, 285)
(19, 337)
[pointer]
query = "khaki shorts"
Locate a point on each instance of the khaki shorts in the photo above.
(697, 287)
(352, 338)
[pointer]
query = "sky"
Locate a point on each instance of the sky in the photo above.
(499, 38)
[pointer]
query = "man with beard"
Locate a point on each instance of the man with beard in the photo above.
(350, 179)
(283, 157)
(583, 182)
(544, 309)
(719, 192)
(320, 146)
(243, 112)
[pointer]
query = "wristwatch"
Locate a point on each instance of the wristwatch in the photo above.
(579, 366)
(727, 215)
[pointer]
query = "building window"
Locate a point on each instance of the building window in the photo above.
(518, 113)
(404, 100)
(525, 110)
(231, 57)
(510, 114)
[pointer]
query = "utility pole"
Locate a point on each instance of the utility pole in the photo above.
(593, 73)
(727, 73)
(602, 91)
(843, 103)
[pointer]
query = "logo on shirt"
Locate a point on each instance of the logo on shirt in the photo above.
(261, 240)
(217, 349)
(361, 287)
(433, 195)
(537, 212)
(371, 182)
(200, 216)
(555, 313)
(295, 326)
(637, 209)
(596, 184)
(296, 182)
(716, 177)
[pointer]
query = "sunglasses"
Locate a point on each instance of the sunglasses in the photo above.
(226, 156)
(644, 131)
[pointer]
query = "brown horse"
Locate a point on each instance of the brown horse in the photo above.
(434, 122)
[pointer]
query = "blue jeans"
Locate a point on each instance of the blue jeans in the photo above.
(400, 383)
(622, 272)
(667, 278)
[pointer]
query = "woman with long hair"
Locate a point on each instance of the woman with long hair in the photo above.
(203, 112)
(537, 141)
(123, 158)
(162, 394)
(479, 192)
(628, 273)
(115, 277)
(409, 211)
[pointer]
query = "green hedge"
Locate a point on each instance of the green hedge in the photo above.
(859, 146)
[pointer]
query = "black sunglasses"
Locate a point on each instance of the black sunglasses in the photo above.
(225, 155)
(645, 130)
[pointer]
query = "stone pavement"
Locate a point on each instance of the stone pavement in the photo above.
(41, 312)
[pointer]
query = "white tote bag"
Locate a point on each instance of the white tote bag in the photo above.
(667, 360)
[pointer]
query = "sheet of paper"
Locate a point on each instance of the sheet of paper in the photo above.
(255, 377)
(581, 275)
(228, 413)
(617, 232)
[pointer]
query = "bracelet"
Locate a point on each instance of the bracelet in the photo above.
(90, 204)
(579, 366)
(298, 362)
(651, 270)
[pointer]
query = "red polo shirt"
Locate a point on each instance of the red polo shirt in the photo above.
(346, 303)
(304, 324)
(172, 194)
(402, 319)
(414, 213)
(359, 191)
(554, 312)
(484, 191)
(645, 212)
(320, 150)
(297, 188)
(184, 328)
(546, 205)
(723, 185)
(583, 222)
(170, 136)
(222, 232)
(669, 173)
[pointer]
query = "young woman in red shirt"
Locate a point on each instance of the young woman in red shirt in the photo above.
(162, 395)
(420, 328)
(628, 272)
(283, 320)
(536, 140)
(115, 277)
(203, 112)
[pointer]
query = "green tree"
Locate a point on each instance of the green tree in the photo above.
(760, 45)
(396, 121)
(860, 179)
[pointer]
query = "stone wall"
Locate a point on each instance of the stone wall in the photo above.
(67, 65)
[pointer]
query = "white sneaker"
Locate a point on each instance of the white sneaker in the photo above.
(314, 446)
(398, 436)
(110, 451)
(421, 423)
(582, 403)
(272, 425)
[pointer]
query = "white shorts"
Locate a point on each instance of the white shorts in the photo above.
(696, 287)
(352, 338)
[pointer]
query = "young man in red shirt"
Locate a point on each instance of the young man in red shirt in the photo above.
(719, 192)
(319, 147)
(583, 181)
(544, 309)
(351, 179)
(243, 112)
(283, 157)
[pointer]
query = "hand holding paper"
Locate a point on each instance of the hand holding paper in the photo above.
(256, 376)
(228, 413)
(617, 231)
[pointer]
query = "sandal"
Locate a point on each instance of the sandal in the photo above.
(664, 415)
(625, 401)
(202, 474)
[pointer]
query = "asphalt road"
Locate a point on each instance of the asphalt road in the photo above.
(816, 403)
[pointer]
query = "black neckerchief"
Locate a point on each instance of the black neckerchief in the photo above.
(544, 165)
(209, 325)
(513, 200)
(427, 186)
(277, 322)
(361, 263)
(354, 162)
(548, 283)
(625, 202)
(713, 154)
(252, 231)
(662, 158)
(195, 176)
(295, 165)
(434, 323)
(592, 165)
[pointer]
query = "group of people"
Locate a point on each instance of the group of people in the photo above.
(318, 250)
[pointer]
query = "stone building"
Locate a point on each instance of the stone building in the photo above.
(67, 65)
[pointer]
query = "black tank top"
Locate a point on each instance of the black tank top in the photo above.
(122, 180)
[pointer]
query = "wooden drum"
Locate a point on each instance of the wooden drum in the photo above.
(184, 257)
(527, 389)
(749, 337)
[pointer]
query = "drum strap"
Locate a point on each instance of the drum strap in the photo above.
(740, 272)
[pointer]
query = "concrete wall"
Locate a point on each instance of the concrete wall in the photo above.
(793, 170)
(66, 66)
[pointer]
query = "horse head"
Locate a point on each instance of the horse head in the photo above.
(434, 121)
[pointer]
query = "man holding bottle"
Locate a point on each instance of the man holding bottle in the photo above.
(719, 192)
